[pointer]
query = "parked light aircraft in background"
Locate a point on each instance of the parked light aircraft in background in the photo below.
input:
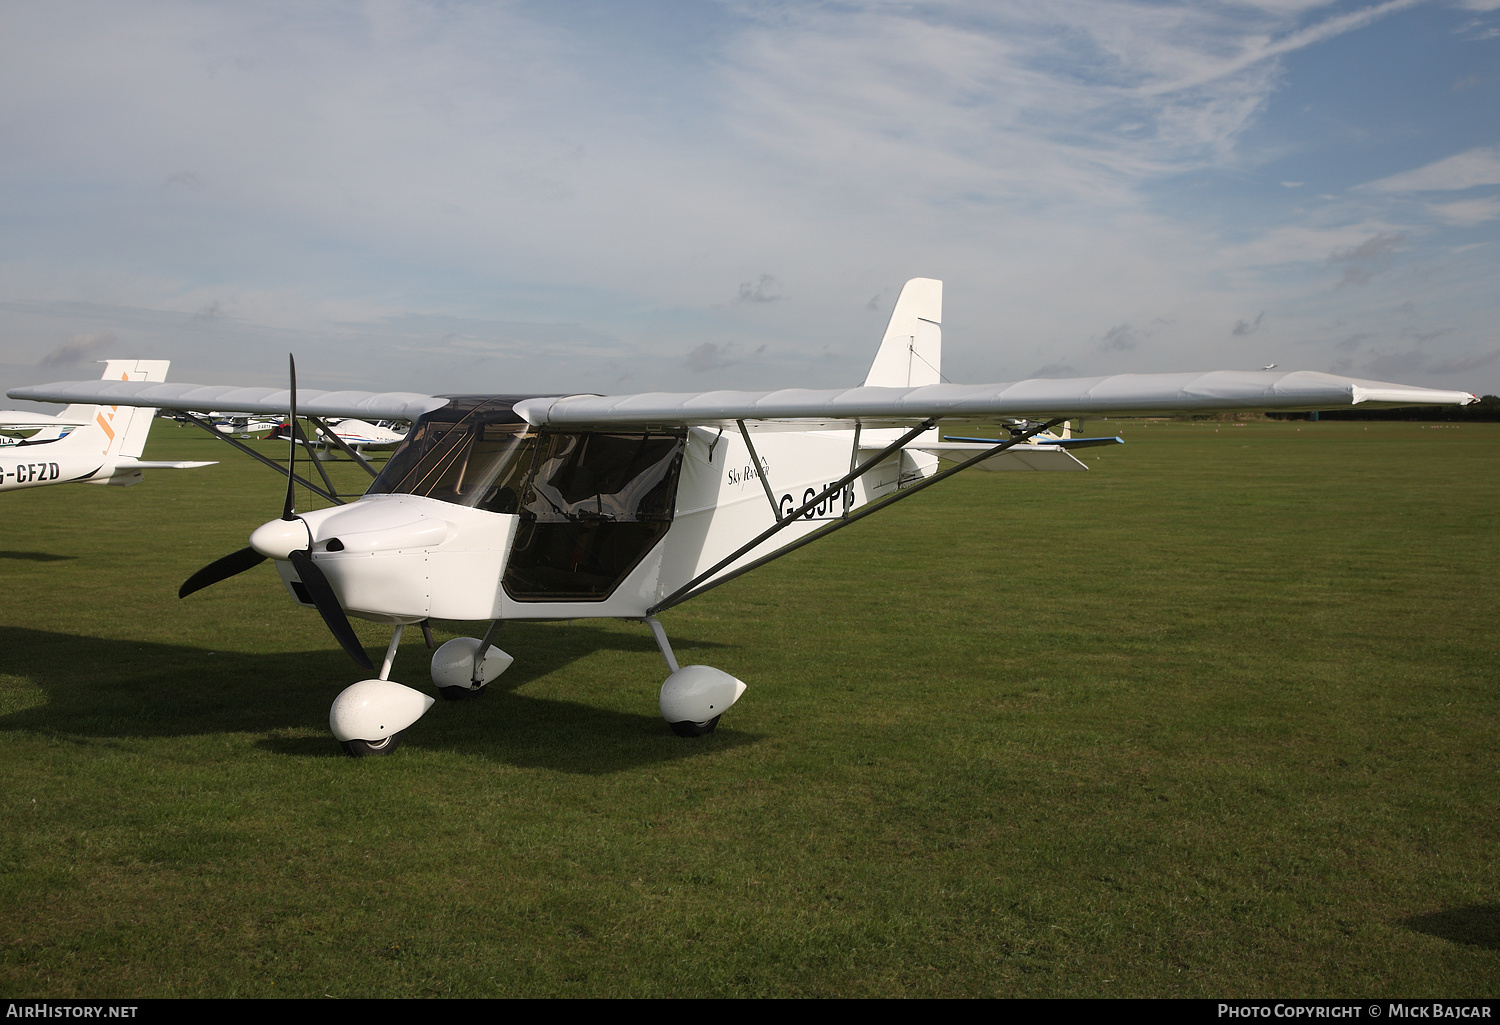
(513, 507)
(355, 434)
(97, 444)
(17, 426)
(246, 426)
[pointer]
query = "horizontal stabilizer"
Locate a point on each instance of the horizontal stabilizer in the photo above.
(1021, 457)
(1054, 442)
(126, 463)
(25, 420)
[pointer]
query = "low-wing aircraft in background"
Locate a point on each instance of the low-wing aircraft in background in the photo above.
(246, 426)
(514, 507)
(355, 434)
(86, 442)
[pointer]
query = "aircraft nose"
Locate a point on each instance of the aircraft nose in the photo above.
(278, 539)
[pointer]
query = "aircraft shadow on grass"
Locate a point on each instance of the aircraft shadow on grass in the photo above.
(36, 556)
(1477, 925)
(100, 688)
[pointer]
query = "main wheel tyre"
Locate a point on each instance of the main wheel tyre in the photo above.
(695, 729)
(459, 693)
(370, 748)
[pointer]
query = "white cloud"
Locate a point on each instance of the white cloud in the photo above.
(1460, 171)
(1255, 50)
(1466, 213)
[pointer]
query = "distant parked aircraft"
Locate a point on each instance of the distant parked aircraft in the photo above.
(96, 444)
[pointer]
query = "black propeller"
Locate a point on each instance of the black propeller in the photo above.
(291, 435)
(317, 585)
(221, 569)
(321, 592)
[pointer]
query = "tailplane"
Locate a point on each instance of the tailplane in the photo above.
(911, 354)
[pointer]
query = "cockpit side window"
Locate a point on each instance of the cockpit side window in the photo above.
(596, 503)
(622, 478)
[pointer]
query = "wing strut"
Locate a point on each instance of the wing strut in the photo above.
(343, 446)
(300, 436)
(309, 485)
(760, 471)
(696, 586)
(686, 591)
(853, 459)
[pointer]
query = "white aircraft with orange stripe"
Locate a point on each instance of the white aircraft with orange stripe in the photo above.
(85, 443)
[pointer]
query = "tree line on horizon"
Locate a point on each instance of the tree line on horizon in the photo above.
(1486, 410)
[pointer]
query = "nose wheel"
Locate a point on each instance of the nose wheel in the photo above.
(366, 748)
(694, 729)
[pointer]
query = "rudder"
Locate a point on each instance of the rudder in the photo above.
(911, 353)
(125, 427)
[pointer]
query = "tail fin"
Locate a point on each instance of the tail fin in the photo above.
(125, 427)
(911, 354)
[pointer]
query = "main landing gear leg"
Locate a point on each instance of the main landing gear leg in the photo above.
(694, 697)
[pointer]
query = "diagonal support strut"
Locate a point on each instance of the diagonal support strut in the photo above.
(785, 521)
(309, 485)
(692, 589)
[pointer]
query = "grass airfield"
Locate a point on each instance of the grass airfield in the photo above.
(1218, 718)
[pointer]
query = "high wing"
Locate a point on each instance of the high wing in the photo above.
(1119, 395)
(196, 398)
(805, 408)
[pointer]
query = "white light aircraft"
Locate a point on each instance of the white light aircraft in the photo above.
(360, 435)
(17, 426)
(515, 507)
(246, 426)
(86, 442)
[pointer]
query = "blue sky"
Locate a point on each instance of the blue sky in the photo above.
(625, 197)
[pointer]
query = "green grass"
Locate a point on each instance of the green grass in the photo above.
(1218, 718)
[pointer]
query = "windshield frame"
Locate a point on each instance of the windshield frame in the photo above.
(451, 436)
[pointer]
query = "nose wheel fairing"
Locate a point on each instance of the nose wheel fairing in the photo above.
(376, 711)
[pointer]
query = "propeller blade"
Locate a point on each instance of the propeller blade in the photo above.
(321, 592)
(291, 433)
(221, 569)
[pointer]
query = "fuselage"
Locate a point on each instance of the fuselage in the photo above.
(82, 455)
(478, 516)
